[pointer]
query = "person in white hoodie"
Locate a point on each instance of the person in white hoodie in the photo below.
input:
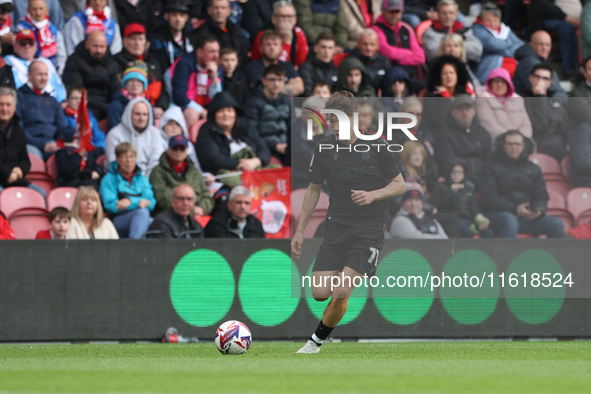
(137, 128)
(173, 123)
(412, 222)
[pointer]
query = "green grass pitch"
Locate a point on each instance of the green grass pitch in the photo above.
(424, 367)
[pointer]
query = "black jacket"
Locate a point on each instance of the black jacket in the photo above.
(376, 67)
(313, 70)
(527, 59)
(166, 49)
(237, 86)
(156, 93)
(472, 144)
(580, 155)
(99, 77)
(257, 16)
(463, 201)
(550, 124)
(69, 172)
(232, 38)
(220, 226)
(213, 147)
(144, 12)
(170, 225)
(13, 153)
(505, 183)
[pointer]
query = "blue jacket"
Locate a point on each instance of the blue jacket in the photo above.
(42, 117)
(98, 136)
(114, 187)
(494, 48)
(184, 87)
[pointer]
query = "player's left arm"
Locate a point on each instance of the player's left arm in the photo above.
(396, 187)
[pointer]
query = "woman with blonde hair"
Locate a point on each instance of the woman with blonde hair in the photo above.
(453, 45)
(87, 217)
(415, 169)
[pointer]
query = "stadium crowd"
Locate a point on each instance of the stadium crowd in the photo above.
(144, 105)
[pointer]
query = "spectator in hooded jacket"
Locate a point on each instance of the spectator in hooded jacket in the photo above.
(41, 115)
(499, 42)
(294, 43)
(513, 192)
(376, 64)
(461, 136)
(316, 16)
(172, 124)
(320, 66)
(127, 194)
(137, 128)
(269, 111)
(225, 144)
(500, 108)
(50, 40)
(169, 41)
(93, 67)
(396, 85)
(96, 17)
(447, 23)
(397, 40)
(134, 50)
(353, 77)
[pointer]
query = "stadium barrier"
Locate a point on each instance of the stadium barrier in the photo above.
(134, 290)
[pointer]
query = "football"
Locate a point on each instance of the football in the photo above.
(233, 337)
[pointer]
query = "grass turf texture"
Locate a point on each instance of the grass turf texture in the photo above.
(436, 367)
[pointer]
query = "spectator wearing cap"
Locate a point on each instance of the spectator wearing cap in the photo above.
(41, 115)
(133, 85)
(412, 222)
(513, 192)
(461, 136)
(134, 49)
(50, 40)
(175, 168)
(227, 33)
(172, 124)
(137, 128)
(97, 16)
(447, 23)
(396, 39)
(7, 36)
(169, 41)
(93, 67)
(294, 43)
(25, 49)
(143, 12)
(177, 221)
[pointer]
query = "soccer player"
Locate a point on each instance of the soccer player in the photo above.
(358, 183)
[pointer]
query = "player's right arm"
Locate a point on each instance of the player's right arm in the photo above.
(308, 205)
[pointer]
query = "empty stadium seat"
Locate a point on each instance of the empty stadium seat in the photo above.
(557, 208)
(14, 198)
(584, 216)
(319, 215)
(578, 201)
(27, 222)
(565, 166)
(38, 174)
(61, 197)
(194, 130)
(52, 167)
(552, 172)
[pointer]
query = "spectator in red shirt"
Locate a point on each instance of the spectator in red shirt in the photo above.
(59, 223)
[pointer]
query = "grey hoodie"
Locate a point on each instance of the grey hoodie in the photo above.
(176, 114)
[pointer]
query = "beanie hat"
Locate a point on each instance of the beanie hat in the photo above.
(137, 71)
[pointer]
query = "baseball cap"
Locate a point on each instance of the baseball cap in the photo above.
(413, 193)
(25, 34)
(462, 99)
(178, 6)
(178, 140)
(133, 28)
(393, 5)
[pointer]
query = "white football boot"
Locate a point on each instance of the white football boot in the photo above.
(309, 348)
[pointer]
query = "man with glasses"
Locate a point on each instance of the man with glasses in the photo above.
(513, 192)
(175, 168)
(537, 51)
(294, 43)
(177, 221)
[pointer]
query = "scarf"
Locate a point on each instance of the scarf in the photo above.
(130, 96)
(70, 113)
(179, 168)
(45, 38)
(203, 82)
(94, 20)
(457, 26)
(6, 26)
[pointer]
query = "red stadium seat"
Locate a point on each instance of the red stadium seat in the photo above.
(565, 166)
(557, 208)
(27, 222)
(14, 198)
(558, 185)
(421, 29)
(584, 216)
(319, 215)
(552, 172)
(194, 130)
(578, 201)
(52, 167)
(38, 175)
(61, 197)
(37, 163)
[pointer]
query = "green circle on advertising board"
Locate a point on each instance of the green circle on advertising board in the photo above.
(534, 301)
(264, 287)
(202, 288)
(356, 302)
(403, 295)
(471, 294)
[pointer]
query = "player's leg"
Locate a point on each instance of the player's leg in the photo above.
(321, 284)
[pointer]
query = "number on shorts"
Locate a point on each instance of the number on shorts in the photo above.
(375, 255)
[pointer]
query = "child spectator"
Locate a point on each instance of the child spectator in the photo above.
(320, 89)
(74, 98)
(59, 224)
(134, 83)
(50, 40)
(457, 195)
(396, 86)
(77, 166)
(233, 80)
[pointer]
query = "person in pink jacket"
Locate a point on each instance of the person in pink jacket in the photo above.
(397, 40)
(501, 109)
